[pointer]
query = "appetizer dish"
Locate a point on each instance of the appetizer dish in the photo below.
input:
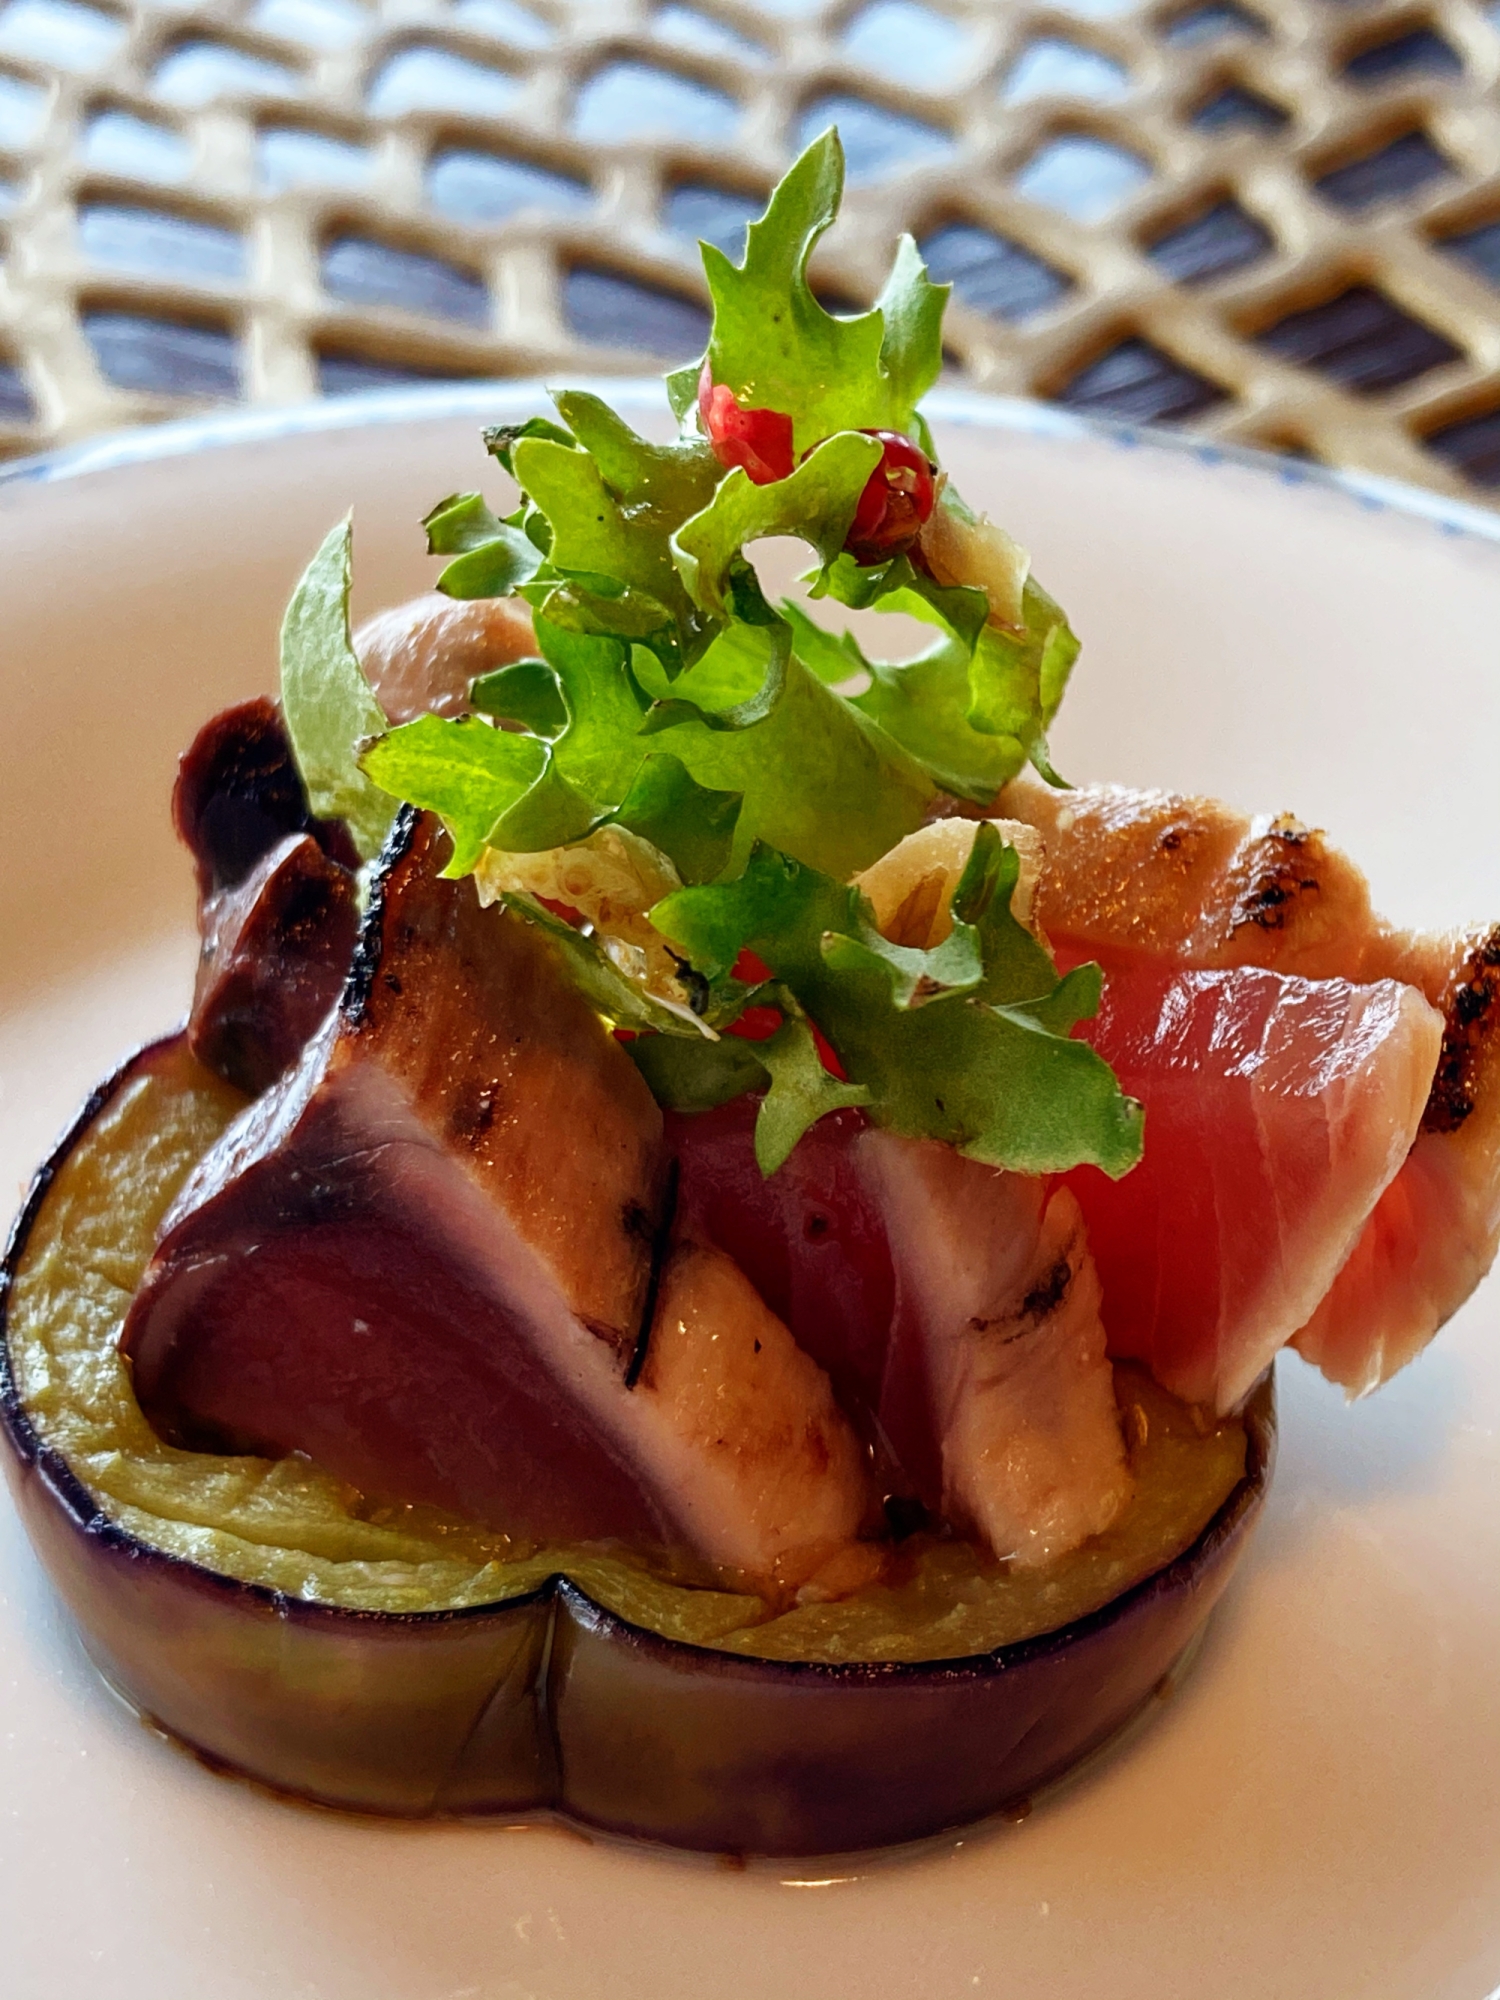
(710, 1255)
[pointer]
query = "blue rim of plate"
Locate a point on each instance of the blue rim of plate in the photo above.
(492, 399)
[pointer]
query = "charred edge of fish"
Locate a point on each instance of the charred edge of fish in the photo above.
(238, 792)
(1044, 1297)
(653, 1278)
(1278, 879)
(1047, 1296)
(1468, 1026)
(370, 944)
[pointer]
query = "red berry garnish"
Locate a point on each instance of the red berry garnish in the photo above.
(897, 499)
(749, 968)
(755, 1024)
(758, 1024)
(758, 441)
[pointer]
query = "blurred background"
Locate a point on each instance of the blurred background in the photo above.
(1275, 221)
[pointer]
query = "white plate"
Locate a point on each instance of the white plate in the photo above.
(1315, 1815)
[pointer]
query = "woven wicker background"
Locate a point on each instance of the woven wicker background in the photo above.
(1277, 220)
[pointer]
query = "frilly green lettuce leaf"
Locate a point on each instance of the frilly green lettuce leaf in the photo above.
(500, 440)
(682, 390)
(812, 775)
(743, 711)
(697, 1075)
(527, 693)
(460, 768)
(328, 704)
(922, 703)
(551, 812)
(820, 781)
(691, 825)
(591, 533)
(491, 557)
(816, 503)
(977, 704)
(916, 974)
(620, 1000)
(776, 348)
(898, 585)
(611, 500)
(911, 350)
(836, 658)
(671, 700)
(801, 1091)
(506, 789)
(661, 484)
(1017, 681)
(983, 1067)
(600, 751)
(632, 615)
(502, 789)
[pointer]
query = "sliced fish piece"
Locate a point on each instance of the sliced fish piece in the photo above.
(998, 1389)
(771, 1475)
(1279, 1110)
(420, 657)
(426, 1258)
(1191, 883)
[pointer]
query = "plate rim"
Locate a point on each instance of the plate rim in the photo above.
(970, 408)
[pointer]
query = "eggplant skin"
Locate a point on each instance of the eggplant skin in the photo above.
(548, 1703)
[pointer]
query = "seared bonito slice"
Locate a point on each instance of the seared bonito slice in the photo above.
(1136, 878)
(427, 1258)
(997, 1386)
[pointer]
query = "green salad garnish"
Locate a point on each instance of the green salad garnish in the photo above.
(737, 761)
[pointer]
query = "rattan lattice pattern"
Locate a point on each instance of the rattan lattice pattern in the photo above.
(1278, 220)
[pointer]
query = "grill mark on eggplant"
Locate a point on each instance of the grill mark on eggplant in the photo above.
(653, 1280)
(1470, 1020)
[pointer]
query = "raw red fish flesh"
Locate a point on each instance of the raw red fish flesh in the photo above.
(811, 1236)
(1278, 1111)
(1190, 883)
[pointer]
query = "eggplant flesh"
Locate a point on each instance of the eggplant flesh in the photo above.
(559, 1698)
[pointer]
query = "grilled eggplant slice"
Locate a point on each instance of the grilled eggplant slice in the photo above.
(379, 1660)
